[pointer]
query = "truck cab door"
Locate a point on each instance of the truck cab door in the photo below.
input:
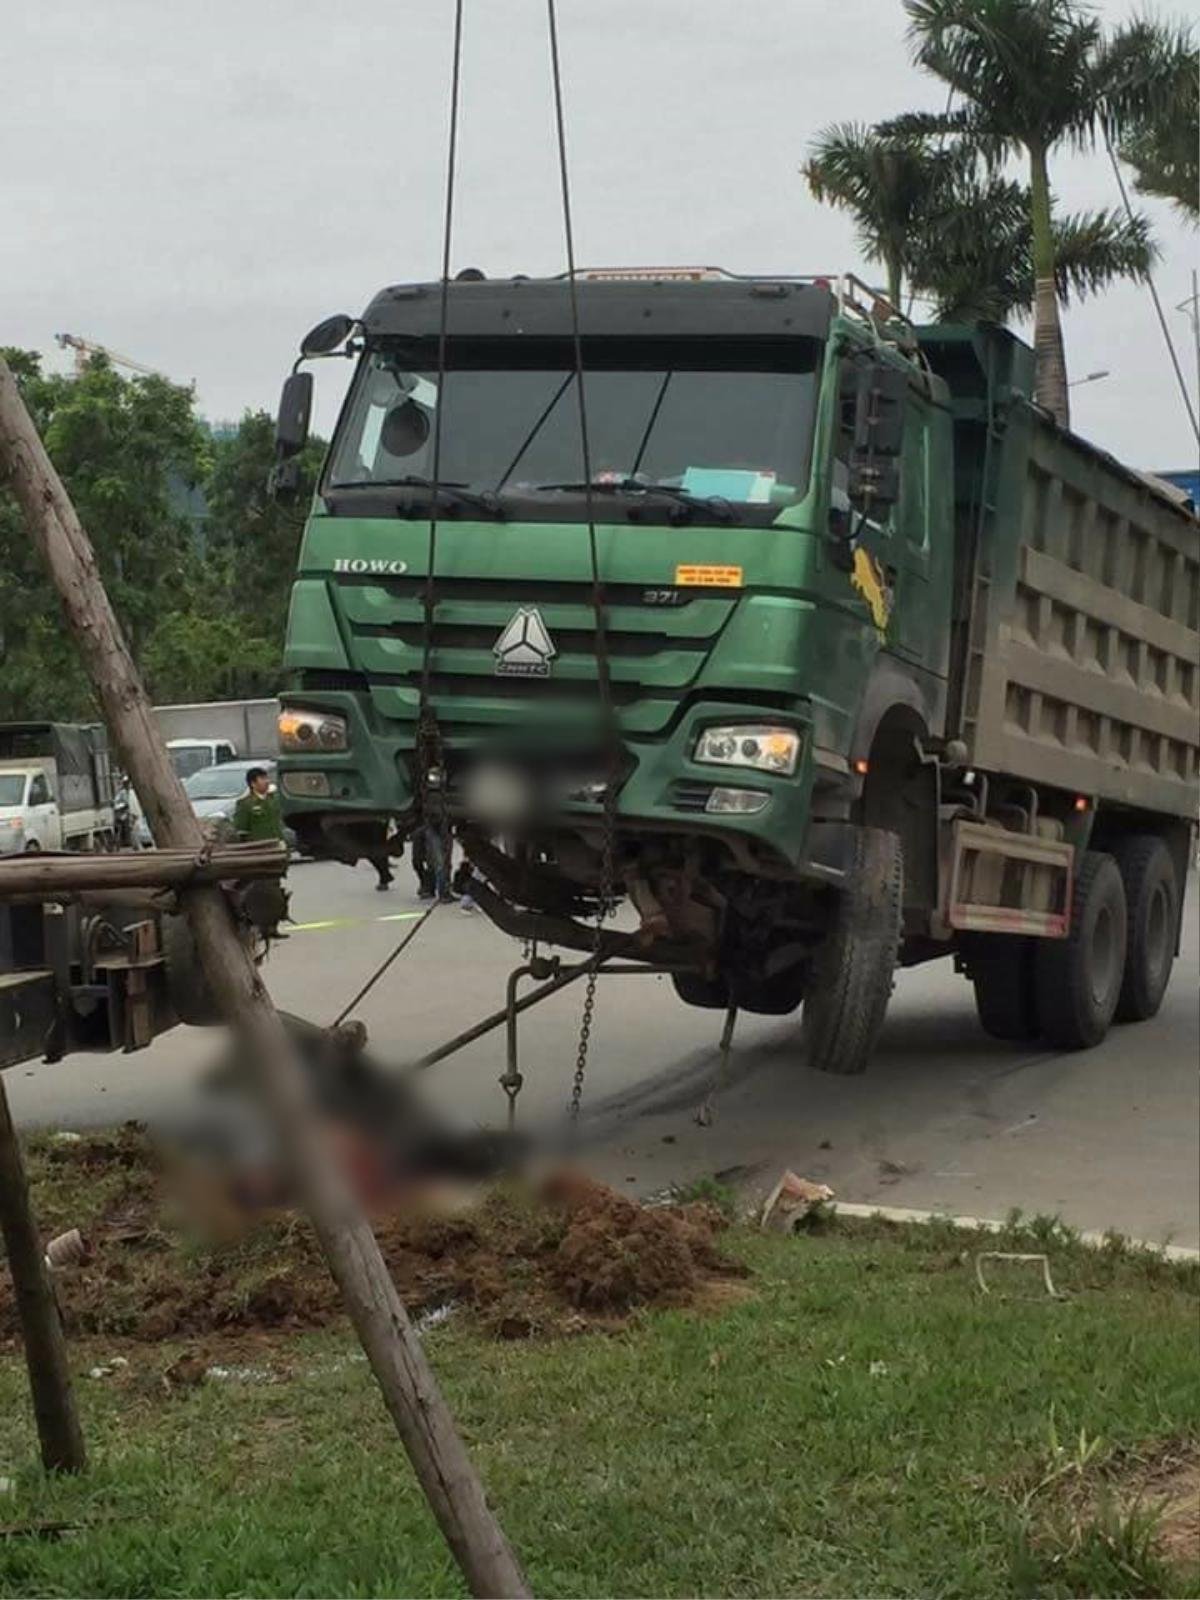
(890, 554)
(43, 826)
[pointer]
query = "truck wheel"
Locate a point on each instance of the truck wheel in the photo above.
(694, 989)
(187, 987)
(1002, 970)
(32, 847)
(1079, 977)
(850, 980)
(1152, 899)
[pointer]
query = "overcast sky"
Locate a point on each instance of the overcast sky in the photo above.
(195, 185)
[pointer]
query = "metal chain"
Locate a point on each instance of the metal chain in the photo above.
(607, 892)
(603, 670)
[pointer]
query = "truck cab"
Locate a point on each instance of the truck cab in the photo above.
(192, 755)
(29, 818)
(56, 787)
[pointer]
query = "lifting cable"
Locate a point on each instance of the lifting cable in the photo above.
(603, 673)
(1162, 321)
(427, 752)
(382, 968)
(428, 746)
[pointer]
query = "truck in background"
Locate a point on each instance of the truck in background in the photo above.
(205, 734)
(56, 788)
(193, 755)
(899, 670)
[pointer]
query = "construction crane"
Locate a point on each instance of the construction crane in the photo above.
(84, 349)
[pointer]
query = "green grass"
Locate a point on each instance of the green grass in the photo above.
(866, 1423)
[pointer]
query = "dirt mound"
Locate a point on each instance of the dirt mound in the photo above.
(571, 1256)
(1164, 1485)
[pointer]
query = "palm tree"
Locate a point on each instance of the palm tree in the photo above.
(887, 183)
(956, 233)
(975, 258)
(1163, 148)
(1034, 75)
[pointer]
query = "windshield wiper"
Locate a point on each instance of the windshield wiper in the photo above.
(456, 493)
(716, 505)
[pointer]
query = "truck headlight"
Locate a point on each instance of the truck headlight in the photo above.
(311, 730)
(757, 745)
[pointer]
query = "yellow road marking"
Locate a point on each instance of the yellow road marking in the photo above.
(353, 922)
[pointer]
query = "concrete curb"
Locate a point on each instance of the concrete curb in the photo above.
(1094, 1240)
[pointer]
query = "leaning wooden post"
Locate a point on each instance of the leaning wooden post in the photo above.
(397, 1358)
(45, 1348)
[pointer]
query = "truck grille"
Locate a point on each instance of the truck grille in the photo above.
(656, 652)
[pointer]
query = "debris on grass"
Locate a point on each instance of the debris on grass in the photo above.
(66, 1250)
(571, 1256)
(790, 1201)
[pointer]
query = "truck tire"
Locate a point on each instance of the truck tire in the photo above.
(850, 980)
(1001, 966)
(1152, 901)
(1079, 977)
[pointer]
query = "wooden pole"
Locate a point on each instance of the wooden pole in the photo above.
(47, 877)
(45, 1348)
(410, 1390)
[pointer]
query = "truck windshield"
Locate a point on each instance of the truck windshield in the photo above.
(12, 788)
(727, 418)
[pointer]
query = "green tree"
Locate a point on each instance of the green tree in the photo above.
(127, 451)
(252, 542)
(196, 656)
(890, 185)
(944, 224)
(203, 607)
(1035, 75)
(974, 256)
(1163, 147)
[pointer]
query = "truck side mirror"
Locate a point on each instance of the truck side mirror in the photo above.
(879, 414)
(291, 435)
(324, 339)
(295, 410)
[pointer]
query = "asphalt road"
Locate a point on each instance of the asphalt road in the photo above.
(944, 1118)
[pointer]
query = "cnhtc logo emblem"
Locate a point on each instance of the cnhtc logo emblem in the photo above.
(524, 649)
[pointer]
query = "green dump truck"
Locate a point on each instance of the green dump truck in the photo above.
(830, 653)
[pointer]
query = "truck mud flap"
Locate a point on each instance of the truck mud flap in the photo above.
(1002, 882)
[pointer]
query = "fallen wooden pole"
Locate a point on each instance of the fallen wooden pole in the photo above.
(51, 877)
(59, 1433)
(410, 1390)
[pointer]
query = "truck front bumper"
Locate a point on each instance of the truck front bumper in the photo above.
(663, 790)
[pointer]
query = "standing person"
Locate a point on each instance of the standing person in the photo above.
(257, 814)
(433, 881)
(382, 862)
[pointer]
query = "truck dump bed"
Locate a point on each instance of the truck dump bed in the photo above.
(1075, 660)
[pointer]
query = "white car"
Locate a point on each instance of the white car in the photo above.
(215, 791)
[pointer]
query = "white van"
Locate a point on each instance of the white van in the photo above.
(31, 820)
